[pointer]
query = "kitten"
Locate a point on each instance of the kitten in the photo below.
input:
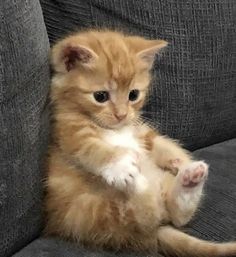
(108, 183)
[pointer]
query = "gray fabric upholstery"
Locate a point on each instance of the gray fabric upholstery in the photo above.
(216, 218)
(57, 248)
(24, 81)
(214, 221)
(194, 87)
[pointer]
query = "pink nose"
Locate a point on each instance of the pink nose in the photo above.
(120, 116)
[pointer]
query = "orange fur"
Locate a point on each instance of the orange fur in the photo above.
(106, 183)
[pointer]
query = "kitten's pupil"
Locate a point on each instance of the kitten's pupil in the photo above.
(101, 96)
(133, 95)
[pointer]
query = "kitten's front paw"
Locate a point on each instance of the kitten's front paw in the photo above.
(124, 174)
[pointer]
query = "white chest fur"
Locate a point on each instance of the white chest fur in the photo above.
(124, 137)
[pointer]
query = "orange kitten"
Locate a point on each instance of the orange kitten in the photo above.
(106, 181)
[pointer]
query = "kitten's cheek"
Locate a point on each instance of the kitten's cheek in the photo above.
(132, 116)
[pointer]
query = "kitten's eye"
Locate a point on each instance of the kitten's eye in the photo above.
(133, 95)
(101, 96)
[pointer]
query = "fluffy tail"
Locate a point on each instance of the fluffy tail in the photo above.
(177, 243)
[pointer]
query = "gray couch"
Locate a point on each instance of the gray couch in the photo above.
(193, 99)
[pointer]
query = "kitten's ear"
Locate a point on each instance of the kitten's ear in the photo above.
(148, 53)
(146, 49)
(68, 55)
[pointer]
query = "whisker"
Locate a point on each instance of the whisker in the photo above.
(149, 121)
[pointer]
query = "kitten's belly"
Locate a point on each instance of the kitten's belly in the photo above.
(126, 138)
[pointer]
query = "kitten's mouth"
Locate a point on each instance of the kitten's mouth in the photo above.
(119, 124)
(115, 125)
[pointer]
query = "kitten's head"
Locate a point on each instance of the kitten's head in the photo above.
(103, 75)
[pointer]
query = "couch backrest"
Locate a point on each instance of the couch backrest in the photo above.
(24, 82)
(194, 86)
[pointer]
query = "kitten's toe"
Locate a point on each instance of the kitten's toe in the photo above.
(175, 163)
(193, 174)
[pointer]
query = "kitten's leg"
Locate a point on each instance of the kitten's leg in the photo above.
(169, 155)
(183, 192)
(81, 142)
(166, 153)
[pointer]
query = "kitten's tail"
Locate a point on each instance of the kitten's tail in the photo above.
(177, 243)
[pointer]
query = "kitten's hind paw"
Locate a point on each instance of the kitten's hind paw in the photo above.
(193, 174)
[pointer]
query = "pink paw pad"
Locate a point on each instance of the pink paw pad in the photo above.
(194, 173)
(175, 163)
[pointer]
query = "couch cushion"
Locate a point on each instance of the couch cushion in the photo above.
(24, 81)
(57, 248)
(214, 221)
(194, 93)
(216, 217)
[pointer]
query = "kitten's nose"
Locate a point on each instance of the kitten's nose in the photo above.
(120, 116)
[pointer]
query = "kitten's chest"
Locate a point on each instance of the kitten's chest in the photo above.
(128, 138)
(125, 137)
